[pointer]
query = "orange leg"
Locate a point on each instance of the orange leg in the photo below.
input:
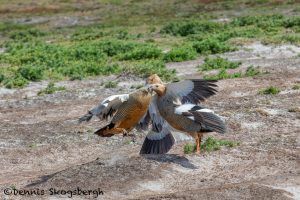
(197, 146)
(198, 143)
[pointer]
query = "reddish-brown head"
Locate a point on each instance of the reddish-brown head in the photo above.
(154, 79)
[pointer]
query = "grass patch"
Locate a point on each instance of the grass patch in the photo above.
(131, 40)
(30, 72)
(8, 27)
(111, 84)
(2, 77)
(191, 27)
(143, 52)
(148, 67)
(218, 63)
(263, 21)
(295, 87)
(50, 89)
(223, 74)
(211, 46)
(271, 90)
(222, 65)
(16, 81)
(252, 71)
(210, 144)
(179, 54)
(189, 148)
(26, 35)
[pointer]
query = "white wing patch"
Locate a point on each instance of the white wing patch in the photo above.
(183, 108)
(191, 117)
(205, 110)
(122, 97)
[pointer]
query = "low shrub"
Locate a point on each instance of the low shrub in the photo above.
(179, 54)
(16, 81)
(26, 35)
(50, 89)
(142, 52)
(252, 71)
(111, 84)
(212, 46)
(191, 27)
(223, 75)
(269, 90)
(149, 67)
(210, 144)
(31, 72)
(218, 63)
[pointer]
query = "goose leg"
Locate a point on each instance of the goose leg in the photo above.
(197, 145)
(198, 142)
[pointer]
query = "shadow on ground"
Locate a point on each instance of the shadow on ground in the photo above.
(172, 158)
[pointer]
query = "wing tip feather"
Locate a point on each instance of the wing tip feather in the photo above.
(161, 146)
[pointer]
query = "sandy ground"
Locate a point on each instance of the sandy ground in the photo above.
(43, 146)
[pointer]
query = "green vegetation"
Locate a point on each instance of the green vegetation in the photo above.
(189, 148)
(222, 65)
(33, 145)
(179, 54)
(192, 27)
(269, 90)
(295, 87)
(223, 75)
(13, 187)
(210, 144)
(7, 27)
(2, 77)
(251, 71)
(134, 38)
(16, 81)
(148, 67)
(211, 46)
(37, 60)
(111, 84)
(143, 52)
(218, 63)
(50, 89)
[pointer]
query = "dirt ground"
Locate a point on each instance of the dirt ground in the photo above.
(43, 146)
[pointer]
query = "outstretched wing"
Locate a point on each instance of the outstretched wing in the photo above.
(106, 108)
(193, 90)
(160, 139)
(208, 120)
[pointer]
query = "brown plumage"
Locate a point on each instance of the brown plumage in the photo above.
(127, 114)
(126, 110)
(189, 117)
